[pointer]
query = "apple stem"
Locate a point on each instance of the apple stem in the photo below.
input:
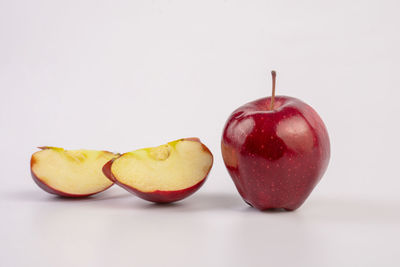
(273, 73)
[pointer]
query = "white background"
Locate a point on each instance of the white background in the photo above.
(121, 75)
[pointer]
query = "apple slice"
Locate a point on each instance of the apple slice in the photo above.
(162, 174)
(70, 173)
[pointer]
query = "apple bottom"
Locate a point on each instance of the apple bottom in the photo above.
(272, 207)
(54, 191)
(287, 193)
(276, 189)
(155, 196)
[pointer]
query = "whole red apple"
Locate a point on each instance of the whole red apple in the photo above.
(276, 150)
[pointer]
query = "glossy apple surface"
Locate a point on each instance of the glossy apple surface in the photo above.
(275, 157)
(163, 174)
(70, 173)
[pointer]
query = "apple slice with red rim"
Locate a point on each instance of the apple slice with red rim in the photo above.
(162, 174)
(70, 173)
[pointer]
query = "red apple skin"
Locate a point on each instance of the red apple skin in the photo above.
(54, 191)
(158, 196)
(275, 158)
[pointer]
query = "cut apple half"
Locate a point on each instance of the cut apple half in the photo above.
(70, 173)
(162, 174)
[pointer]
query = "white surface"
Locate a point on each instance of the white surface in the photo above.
(121, 75)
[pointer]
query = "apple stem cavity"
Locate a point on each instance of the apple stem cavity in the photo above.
(273, 73)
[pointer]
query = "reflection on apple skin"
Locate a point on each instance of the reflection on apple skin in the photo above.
(275, 157)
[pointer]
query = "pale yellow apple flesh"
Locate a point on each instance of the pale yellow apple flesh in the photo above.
(74, 172)
(174, 166)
